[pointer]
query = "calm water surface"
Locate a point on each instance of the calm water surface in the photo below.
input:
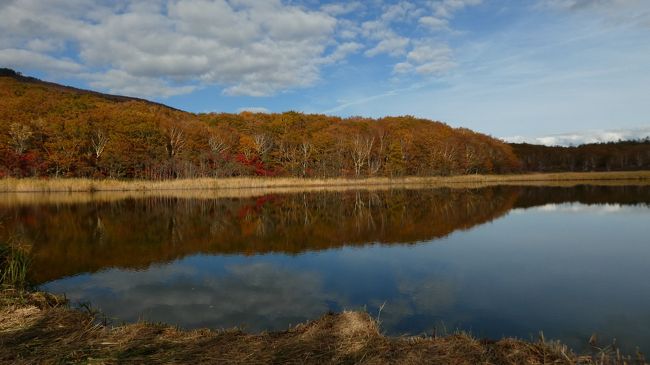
(500, 261)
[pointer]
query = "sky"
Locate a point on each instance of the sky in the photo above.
(544, 71)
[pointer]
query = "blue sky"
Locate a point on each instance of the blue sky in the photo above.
(548, 71)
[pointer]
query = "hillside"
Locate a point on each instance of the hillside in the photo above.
(53, 130)
(9, 73)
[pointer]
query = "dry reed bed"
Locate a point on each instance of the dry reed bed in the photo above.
(13, 198)
(40, 328)
(89, 185)
(56, 198)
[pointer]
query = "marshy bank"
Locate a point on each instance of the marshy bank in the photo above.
(38, 327)
(92, 185)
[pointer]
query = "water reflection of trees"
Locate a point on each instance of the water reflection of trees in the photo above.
(585, 194)
(134, 233)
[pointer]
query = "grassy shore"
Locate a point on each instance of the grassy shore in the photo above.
(89, 185)
(41, 328)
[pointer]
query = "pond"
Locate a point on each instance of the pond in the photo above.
(495, 261)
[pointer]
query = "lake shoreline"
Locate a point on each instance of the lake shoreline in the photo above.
(39, 327)
(34, 185)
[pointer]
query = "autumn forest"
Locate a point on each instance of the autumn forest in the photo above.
(51, 130)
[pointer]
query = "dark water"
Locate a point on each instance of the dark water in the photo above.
(500, 261)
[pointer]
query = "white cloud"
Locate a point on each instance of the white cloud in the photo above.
(578, 138)
(423, 57)
(249, 47)
(348, 29)
(393, 45)
(402, 67)
(433, 22)
(629, 12)
(388, 41)
(447, 8)
(426, 59)
(341, 52)
(444, 10)
(117, 82)
(342, 8)
(584, 4)
(19, 58)
(400, 11)
(45, 45)
(253, 109)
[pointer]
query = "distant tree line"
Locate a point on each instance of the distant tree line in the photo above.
(612, 156)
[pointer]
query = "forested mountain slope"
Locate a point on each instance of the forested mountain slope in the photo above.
(52, 130)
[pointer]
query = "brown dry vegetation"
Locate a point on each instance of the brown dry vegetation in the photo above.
(14, 198)
(49, 130)
(40, 328)
(90, 185)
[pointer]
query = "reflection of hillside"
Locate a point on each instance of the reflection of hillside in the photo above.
(137, 232)
(134, 233)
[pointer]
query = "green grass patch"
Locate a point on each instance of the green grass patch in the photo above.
(14, 263)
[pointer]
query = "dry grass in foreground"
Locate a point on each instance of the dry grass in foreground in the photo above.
(89, 185)
(40, 328)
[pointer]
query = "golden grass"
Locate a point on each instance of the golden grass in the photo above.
(39, 328)
(76, 191)
(13, 198)
(89, 185)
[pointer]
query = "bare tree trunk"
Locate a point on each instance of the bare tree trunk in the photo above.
(361, 148)
(20, 135)
(98, 142)
(306, 149)
(263, 144)
(376, 161)
(175, 141)
(218, 145)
